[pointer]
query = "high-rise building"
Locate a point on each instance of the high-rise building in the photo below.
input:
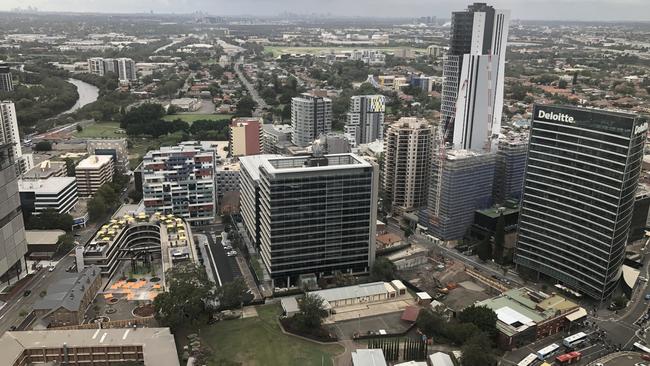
(365, 119)
(245, 136)
(510, 168)
(92, 173)
(581, 179)
(473, 71)
(56, 193)
(126, 69)
(96, 66)
(316, 214)
(9, 134)
(13, 245)
(179, 180)
(460, 183)
(311, 116)
(6, 82)
(407, 158)
(275, 138)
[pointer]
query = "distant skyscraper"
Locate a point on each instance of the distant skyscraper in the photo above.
(6, 82)
(407, 158)
(126, 69)
(310, 117)
(9, 134)
(365, 120)
(313, 215)
(581, 180)
(473, 70)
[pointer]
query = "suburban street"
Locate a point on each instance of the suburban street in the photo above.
(261, 104)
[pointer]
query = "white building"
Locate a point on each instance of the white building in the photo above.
(126, 70)
(365, 119)
(56, 193)
(310, 117)
(92, 173)
(9, 134)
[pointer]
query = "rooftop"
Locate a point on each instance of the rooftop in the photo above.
(68, 291)
(296, 164)
(496, 211)
(157, 343)
(94, 161)
(45, 169)
(353, 292)
(252, 163)
(51, 185)
(368, 357)
(48, 237)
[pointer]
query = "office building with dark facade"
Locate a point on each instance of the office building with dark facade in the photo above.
(317, 215)
(580, 185)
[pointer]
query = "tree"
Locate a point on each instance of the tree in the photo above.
(70, 167)
(484, 249)
(43, 146)
(231, 294)
(65, 243)
(311, 314)
(481, 316)
(477, 351)
(620, 301)
(499, 238)
(245, 106)
(96, 208)
(50, 219)
(79, 128)
(430, 323)
(187, 297)
(383, 270)
(562, 84)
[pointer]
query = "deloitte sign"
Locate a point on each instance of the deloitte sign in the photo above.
(552, 116)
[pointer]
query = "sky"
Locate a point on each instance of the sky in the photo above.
(585, 10)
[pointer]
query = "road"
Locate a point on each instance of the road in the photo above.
(226, 267)
(261, 104)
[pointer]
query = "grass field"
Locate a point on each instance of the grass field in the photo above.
(100, 130)
(189, 118)
(259, 342)
(278, 50)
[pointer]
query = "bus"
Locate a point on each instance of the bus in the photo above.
(573, 340)
(568, 358)
(641, 347)
(529, 360)
(547, 351)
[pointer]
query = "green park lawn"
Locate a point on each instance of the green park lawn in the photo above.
(190, 118)
(100, 130)
(258, 341)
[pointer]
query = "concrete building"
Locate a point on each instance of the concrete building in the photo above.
(186, 104)
(366, 293)
(55, 193)
(92, 173)
(6, 81)
(66, 300)
(407, 148)
(245, 136)
(435, 51)
(13, 245)
(42, 244)
(310, 214)
(510, 169)
(275, 137)
(226, 178)
(180, 180)
(460, 184)
(96, 66)
(117, 148)
(46, 169)
(331, 143)
(310, 117)
(365, 119)
(581, 180)
(9, 134)
(525, 315)
(473, 76)
(368, 357)
(126, 70)
(150, 346)
(424, 83)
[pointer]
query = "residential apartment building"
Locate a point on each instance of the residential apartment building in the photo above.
(126, 70)
(365, 119)
(310, 117)
(460, 183)
(473, 75)
(9, 134)
(245, 136)
(13, 245)
(6, 81)
(510, 168)
(180, 180)
(56, 193)
(117, 148)
(92, 173)
(275, 138)
(407, 157)
(226, 179)
(581, 181)
(317, 214)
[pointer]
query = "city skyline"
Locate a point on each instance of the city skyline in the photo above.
(582, 10)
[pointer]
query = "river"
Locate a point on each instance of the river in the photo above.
(88, 93)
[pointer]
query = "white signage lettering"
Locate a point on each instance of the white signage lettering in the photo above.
(561, 117)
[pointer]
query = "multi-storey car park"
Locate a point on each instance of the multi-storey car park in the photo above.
(581, 180)
(133, 235)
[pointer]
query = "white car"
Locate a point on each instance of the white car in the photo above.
(232, 253)
(50, 268)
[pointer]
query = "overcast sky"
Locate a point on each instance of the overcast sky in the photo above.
(521, 9)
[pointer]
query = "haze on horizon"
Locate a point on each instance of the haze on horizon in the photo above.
(581, 10)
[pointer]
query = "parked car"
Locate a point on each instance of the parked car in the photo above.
(647, 296)
(232, 253)
(27, 293)
(50, 268)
